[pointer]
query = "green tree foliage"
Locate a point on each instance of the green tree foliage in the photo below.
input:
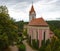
(25, 32)
(3, 9)
(48, 48)
(57, 33)
(8, 29)
(35, 44)
(55, 27)
(53, 45)
(54, 24)
(20, 25)
(22, 47)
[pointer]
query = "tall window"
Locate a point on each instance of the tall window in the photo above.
(32, 34)
(44, 35)
(37, 34)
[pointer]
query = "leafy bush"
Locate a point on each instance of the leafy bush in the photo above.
(42, 48)
(35, 44)
(3, 45)
(47, 42)
(44, 45)
(22, 47)
(25, 32)
(43, 42)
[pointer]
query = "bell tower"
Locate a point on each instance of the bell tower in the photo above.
(32, 13)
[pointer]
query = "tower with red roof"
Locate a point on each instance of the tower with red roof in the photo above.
(32, 13)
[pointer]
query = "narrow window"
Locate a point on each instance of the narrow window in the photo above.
(44, 36)
(37, 35)
(32, 33)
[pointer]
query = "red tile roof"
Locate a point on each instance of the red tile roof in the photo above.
(38, 22)
(32, 9)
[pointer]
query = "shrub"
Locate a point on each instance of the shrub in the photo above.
(22, 47)
(35, 44)
(44, 45)
(42, 48)
(43, 42)
(47, 42)
(3, 45)
(25, 32)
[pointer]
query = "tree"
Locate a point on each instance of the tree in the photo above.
(20, 26)
(3, 9)
(48, 48)
(55, 27)
(8, 30)
(55, 43)
(57, 33)
(25, 32)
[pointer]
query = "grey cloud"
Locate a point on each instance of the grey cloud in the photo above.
(58, 18)
(56, 6)
(18, 1)
(14, 2)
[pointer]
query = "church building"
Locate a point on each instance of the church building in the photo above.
(38, 29)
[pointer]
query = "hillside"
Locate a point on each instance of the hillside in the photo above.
(54, 24)
(55, 27)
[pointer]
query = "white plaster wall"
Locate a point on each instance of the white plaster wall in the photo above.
(31, 16)
(46, 34)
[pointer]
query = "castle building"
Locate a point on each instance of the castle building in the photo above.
(38, 29)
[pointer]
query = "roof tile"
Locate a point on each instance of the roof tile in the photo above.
(38, 22)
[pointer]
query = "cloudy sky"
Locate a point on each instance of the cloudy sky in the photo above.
(19, 9)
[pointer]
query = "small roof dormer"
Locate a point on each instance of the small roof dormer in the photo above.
(32, 13)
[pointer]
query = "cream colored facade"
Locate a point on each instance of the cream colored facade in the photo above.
(34, 33)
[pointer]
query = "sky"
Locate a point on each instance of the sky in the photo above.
(19, 9)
